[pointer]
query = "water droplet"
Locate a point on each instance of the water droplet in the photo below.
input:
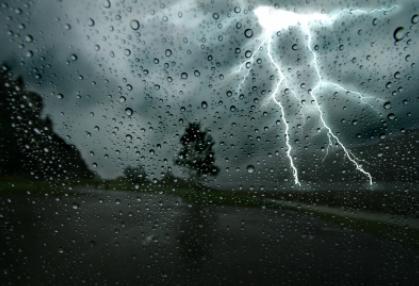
(184, 75)
(134, 24)
(415, 19)
(91, 22)
(29, 38)
(248, 33)
(107, 4)
(391, 116)
(168, 52)
(73, 57)
(215, 16)
(204, 105)
(129, 111)
(399, 34)
(387, 105)
(250, 169)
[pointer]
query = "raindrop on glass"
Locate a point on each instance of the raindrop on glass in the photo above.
(129, 111)
(399, 34)
(107, 4)
(248, 33)
(134, 24)
(168, 52)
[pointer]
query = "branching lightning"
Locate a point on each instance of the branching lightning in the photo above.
(281, 107)
(273, 20)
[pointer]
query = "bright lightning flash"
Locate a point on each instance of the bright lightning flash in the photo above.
(273, 20)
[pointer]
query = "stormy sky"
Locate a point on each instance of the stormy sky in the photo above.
(121, 79)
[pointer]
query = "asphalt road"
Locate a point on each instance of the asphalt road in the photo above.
(93, 237)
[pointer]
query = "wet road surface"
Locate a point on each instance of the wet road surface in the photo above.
(93, 237)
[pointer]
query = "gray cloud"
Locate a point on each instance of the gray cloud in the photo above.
(184, 53)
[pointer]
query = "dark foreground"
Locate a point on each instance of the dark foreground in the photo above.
(123, 238)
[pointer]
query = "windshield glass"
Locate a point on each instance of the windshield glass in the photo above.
(216, 142)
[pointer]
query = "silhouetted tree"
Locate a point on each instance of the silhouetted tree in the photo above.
(28, 144)
(197, 152)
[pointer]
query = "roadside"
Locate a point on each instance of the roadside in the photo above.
(396, 220)
(88, 235)
(393, 215)
(398, 228)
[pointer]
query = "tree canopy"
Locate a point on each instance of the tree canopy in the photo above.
(29, 145)
(197, 152)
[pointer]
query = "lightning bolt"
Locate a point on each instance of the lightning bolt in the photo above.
(274, 20)
(281, 107)
(330, 134)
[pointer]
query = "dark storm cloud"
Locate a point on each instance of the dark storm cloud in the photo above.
(184, 53)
